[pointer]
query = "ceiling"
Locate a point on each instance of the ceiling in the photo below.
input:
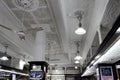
(57, 18)
(93, 13)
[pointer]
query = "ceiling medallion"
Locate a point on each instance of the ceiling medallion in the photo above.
(27, 5)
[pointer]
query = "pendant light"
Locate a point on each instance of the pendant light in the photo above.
(76, 67)
(78, 57)
(80, 30)
(76, 62)
(5, 57)
(21, 33)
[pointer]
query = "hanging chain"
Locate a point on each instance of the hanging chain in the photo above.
(78, 45)
(6, 49)
(49, 47)
(79, 15)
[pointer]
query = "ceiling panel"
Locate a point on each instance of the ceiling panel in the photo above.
(9, 3)
(38, 17)
(59, 15)
(42, 13)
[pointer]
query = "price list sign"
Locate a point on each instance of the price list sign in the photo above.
(36, 74)
(106, 73)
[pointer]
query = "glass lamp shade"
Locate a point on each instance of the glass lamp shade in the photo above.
(80, 31)
(4, 58)
(76, 62)
(78, 57)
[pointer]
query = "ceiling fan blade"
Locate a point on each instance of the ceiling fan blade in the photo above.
(31, 30)
(8, 28)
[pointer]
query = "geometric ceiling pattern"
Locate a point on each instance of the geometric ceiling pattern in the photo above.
(58, 20)
(36, 14)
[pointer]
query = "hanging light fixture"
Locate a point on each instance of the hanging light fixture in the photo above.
(80, 30)
(76, 62)
(76, 67)
(78, 57)
(5, 57)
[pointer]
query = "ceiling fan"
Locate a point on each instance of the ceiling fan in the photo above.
(21, 34)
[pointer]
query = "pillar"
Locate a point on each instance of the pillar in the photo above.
(40, 44)
(41, 66)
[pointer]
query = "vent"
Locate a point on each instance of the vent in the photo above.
(27, 5)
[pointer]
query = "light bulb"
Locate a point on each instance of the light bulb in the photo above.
(34, 67)
(76, 67)
(4, 58)
(78, 57)
(56, 70)
(80, 31)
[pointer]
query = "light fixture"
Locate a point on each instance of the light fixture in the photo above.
(76, 67)
(80, 30)
(76, 62)
(78, 57)
(34, 67)
(5, 57)
(56, 70)
(21, 35)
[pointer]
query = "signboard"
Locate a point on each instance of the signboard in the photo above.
(36, 74)
(106, 73)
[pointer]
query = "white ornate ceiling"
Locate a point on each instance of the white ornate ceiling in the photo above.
(58, 20)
